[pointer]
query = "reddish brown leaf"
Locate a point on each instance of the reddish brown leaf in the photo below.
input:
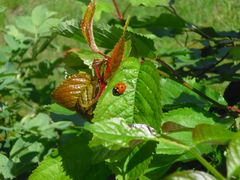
(117, 55)
(114, 62)
(173, 127)
(87, 27)
(76, 93)
(70, 51)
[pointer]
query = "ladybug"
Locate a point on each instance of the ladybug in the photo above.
(119, 89)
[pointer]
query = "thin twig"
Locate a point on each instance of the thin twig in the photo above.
(210, 68)
(120, 16)
(192, 27)
(186, 40)
(124, 12)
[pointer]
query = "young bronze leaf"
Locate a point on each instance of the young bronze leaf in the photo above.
(76, 93)
(117, 55)
(116, 58)
(87, 26)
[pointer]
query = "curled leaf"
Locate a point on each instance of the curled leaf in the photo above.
(87, 26)
(76, 93)
(70, 51)
(172, 127)
(117, 55)
(116, 58)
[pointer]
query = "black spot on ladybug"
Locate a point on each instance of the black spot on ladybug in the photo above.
(119, 89)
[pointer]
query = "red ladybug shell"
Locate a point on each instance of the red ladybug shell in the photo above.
(119, 89)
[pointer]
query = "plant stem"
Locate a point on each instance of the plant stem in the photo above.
(214, 65)
(206, 164)
(120, 16)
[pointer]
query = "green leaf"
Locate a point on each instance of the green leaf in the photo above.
(76, 155)
(175, 94)
(50, 168)
(88, 56)
(139, 160)
(108, 36)
(77, 158)
(127, 49)
(25, 23)
(47, 27)
(147, 98)
(189, 117)
(27, 147)
(55, 108)
(170, 147)
(39, 15)
(39, 125)
(170, 24)
(233, 157)
(2, 8)
(190, 175)
(216, 134)
(80, 61)
(101, 153)
(150, 3)
(140, 103)
(5, 167)
(142, 46)
(116, 132)
(70, 29)
(61, 125)
(235, 52)
(159, 165)
(11, 41)
(103, 6)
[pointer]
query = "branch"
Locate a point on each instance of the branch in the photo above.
(210, 68)
(171, 141)
(192, 27)
(120, 16)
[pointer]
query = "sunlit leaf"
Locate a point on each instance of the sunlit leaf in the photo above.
(189, 117)
(45, 29)
(116, 131)
(190, 175)
(233, 157)
(175, 94)
(11, 41)
(25, 23)
(55, 108)
(108, 36)
(39, 15)
(140, 103)
(168, 146)
(213, 134)
(50, 168)
(6, 165)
